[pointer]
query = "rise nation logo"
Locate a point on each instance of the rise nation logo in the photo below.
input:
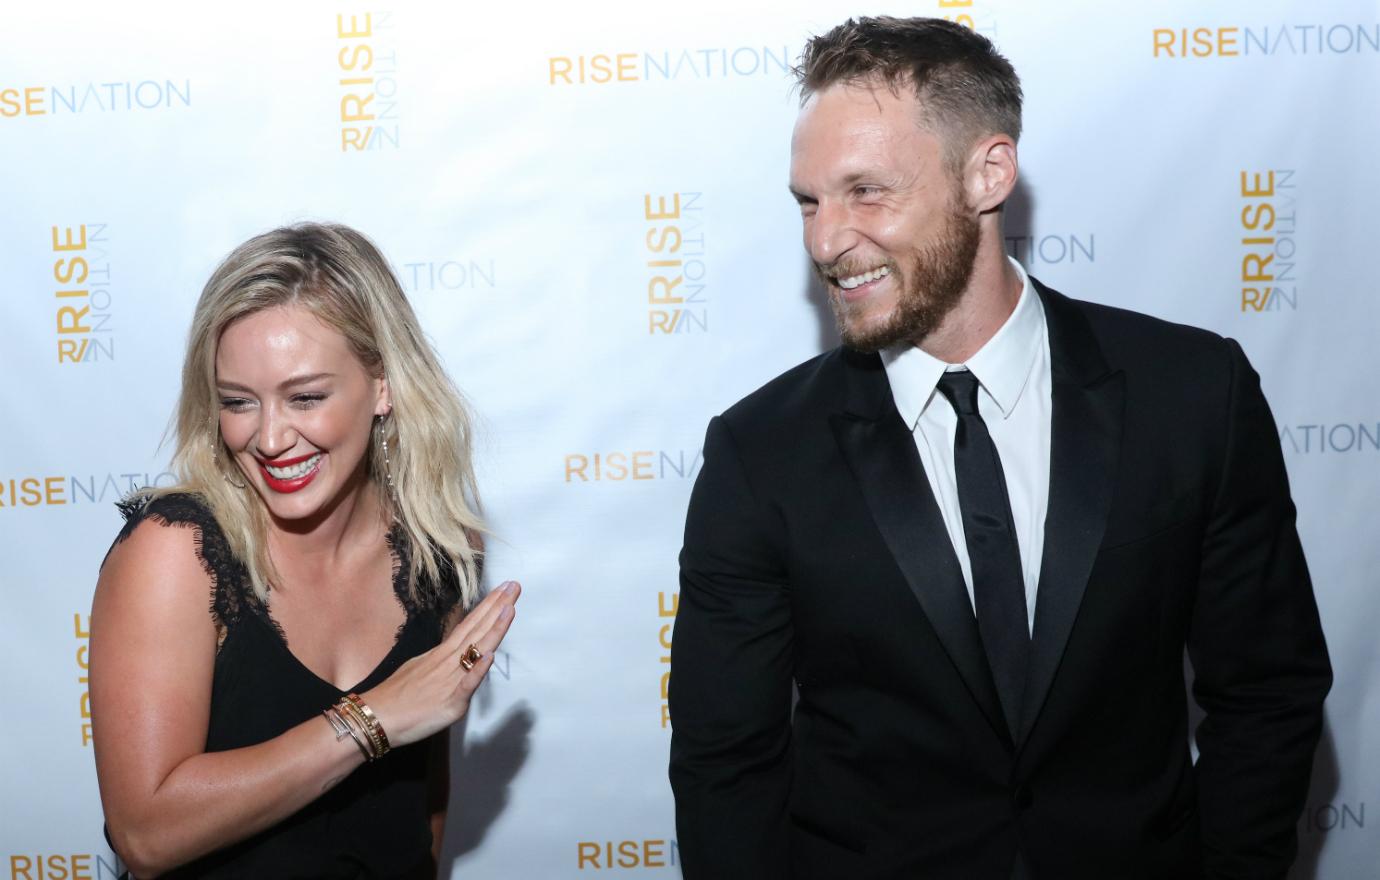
(1269, 224)
(676, 264)
(122, 96)
(366, 72)
(668, 65)
(81, 284)
(1285, 39)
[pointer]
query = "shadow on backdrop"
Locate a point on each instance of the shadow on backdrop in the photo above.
(481, 776)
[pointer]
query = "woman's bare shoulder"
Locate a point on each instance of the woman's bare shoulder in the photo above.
(156, 565)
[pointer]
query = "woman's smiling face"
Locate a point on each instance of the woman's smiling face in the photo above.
(296, 409)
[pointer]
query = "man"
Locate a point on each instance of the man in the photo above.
(977, 539)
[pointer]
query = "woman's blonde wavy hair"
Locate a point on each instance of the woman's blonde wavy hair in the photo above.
(344, 281)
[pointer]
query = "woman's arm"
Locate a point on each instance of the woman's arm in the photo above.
(153, 646)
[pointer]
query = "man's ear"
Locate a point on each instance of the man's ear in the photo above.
(990, 172)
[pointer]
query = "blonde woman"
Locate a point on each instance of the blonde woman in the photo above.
(326, 514)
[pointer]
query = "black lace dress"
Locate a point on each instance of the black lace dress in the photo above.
(376, 822)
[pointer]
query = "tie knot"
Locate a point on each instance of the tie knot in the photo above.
(960, 387)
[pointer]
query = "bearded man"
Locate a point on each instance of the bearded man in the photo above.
(977, 539)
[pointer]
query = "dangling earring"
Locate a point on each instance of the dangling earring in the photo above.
(387, 463)
(215, 456)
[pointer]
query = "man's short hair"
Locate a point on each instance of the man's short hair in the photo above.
(966, 89)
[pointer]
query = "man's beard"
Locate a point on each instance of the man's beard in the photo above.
(930, 285)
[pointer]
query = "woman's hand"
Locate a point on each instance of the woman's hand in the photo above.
(432, 690)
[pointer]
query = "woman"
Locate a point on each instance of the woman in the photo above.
(326, 508)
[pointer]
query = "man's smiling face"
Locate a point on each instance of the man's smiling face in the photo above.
(884, 217)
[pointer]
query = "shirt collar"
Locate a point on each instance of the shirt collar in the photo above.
(1002, 366)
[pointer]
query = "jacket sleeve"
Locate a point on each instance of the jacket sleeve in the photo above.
(1260, 662)
(731, 668)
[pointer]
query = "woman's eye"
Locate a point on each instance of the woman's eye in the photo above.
(307, 401)
(234, 404)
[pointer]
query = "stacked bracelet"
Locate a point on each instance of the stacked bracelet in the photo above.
(340, 722)
(352, 717)
(375, 729)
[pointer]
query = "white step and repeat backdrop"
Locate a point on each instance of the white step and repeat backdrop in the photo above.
(522, 165)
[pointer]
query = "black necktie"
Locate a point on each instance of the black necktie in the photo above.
(998, 588)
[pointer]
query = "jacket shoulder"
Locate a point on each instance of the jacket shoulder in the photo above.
(1130, 339)
(800, 393)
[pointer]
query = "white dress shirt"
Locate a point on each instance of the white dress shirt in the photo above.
(1014, 399)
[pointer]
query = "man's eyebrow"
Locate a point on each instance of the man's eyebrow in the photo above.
(855, 177)
(847, 182)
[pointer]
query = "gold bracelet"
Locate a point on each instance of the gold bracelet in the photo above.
(357, 723)
(363, 723)
(343, 719)
(352, 709)
(373, 720)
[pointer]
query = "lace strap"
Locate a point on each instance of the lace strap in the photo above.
(229, 579)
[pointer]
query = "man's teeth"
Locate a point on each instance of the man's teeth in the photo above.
(855, 280)
(301, 469)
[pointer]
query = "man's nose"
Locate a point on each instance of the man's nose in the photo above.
(829, 234)
(276, 432)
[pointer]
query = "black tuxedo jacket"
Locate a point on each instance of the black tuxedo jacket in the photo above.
(815, 555)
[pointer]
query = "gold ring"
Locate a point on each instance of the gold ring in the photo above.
(470, 657)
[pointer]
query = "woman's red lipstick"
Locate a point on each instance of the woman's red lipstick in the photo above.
(294, 484)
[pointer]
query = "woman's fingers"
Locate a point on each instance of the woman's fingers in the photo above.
(471, 680)
(479, 620)
(487, 641)
(411, 700)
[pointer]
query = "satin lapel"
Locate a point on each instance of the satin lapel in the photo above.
(1085, 445)
(881, 453)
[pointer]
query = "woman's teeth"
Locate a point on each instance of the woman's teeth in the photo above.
(292, 472)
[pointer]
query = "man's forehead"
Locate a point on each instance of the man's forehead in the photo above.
(845, 117)
(861, 103)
